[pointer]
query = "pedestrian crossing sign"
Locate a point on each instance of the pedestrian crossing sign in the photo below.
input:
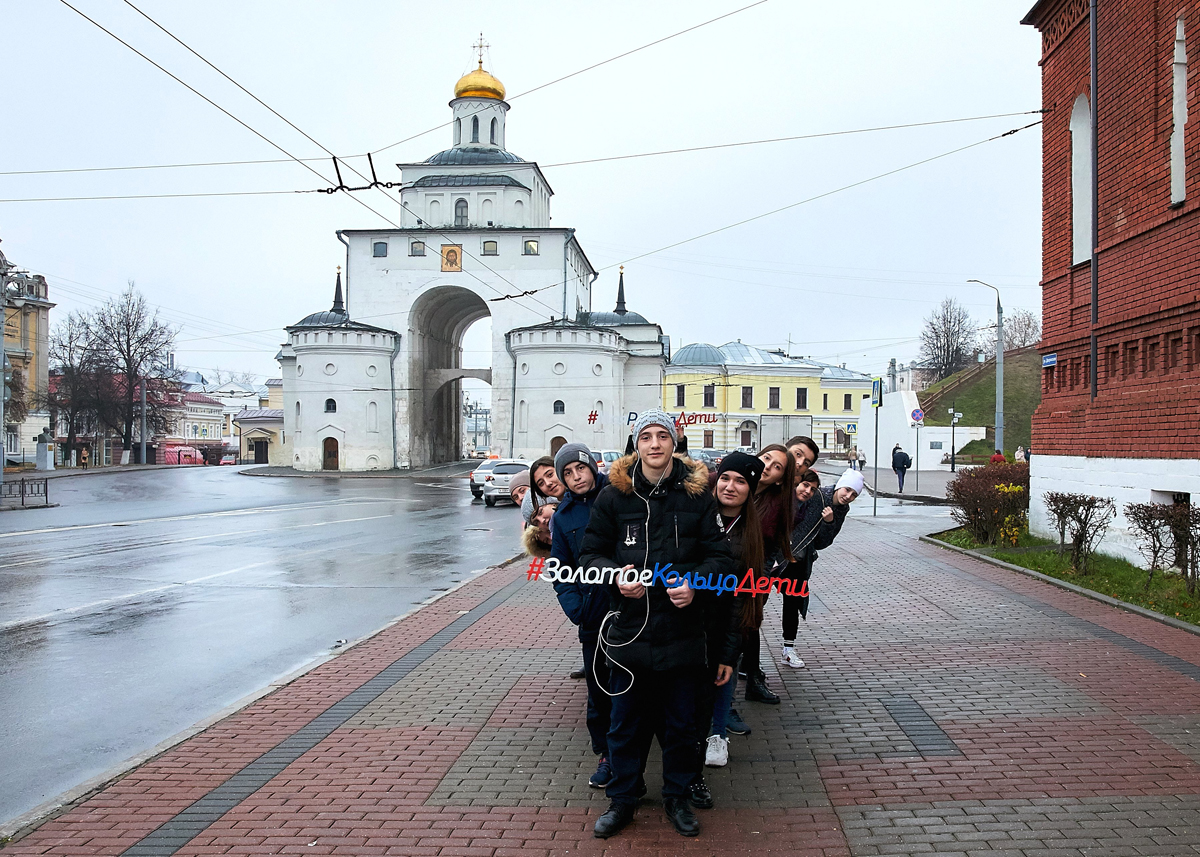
(877, 393)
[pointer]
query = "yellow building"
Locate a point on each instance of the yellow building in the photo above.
(737, 395)
(26, 306)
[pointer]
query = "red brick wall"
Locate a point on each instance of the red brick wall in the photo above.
(1148, 395)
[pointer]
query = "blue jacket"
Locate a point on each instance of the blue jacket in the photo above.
(584, 603)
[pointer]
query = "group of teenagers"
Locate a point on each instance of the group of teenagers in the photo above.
(663, 660)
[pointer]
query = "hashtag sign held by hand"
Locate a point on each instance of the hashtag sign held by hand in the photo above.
(535, 568)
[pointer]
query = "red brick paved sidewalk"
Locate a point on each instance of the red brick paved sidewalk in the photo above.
(949, 707)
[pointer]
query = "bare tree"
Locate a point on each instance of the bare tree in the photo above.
(132, 348)
(1022, 328)
(948, 338)
(221, 377)
(72, 394)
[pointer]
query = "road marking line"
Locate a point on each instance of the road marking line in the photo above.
(70, 611)
(43, 559)
(231, 513)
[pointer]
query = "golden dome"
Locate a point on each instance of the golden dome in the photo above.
(479, 84)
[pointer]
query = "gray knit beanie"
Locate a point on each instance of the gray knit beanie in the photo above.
(654, 417)
(571, 452)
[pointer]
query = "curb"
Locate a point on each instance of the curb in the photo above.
(16, 828)
(346, 474)
(1146, 612)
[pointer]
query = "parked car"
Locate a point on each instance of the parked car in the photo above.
(476, 476)
(607, 457)
(229, 459)
(714, 455)
(497, 480)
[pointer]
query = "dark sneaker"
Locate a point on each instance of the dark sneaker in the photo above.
(579, 673)
(681, 816)
(617, 816)
(603, 775)
(698, 794)
(735, 725)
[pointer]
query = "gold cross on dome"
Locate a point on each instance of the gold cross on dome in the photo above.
(480, 47)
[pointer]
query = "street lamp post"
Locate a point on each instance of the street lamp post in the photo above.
(999, 365)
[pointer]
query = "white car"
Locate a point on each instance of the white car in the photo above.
(477, 475)
(605, 458)
(497, 480)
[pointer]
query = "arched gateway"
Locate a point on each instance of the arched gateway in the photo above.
(475, 241)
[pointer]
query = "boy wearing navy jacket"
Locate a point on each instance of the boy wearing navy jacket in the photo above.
(584, 603)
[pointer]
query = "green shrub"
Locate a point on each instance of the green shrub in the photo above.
(986, 498)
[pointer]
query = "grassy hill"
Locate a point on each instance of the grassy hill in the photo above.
(977, 400)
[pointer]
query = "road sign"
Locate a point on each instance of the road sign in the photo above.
(957, 415)
(918, 415)
(851, 428)
(877, 393)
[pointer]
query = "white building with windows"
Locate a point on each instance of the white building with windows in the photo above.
(474, 241)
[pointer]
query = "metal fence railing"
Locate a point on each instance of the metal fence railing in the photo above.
(26, 490)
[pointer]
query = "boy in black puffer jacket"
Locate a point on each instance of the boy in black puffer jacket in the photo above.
(584, 603)
(656, 510)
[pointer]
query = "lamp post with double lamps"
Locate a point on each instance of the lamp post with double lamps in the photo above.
(999, 365)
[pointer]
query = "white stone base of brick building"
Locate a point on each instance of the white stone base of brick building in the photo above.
(1125, 480)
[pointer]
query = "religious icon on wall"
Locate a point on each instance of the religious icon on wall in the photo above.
(451, 257)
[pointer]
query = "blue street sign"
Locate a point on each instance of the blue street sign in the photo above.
(1049, 360)
(917, 415)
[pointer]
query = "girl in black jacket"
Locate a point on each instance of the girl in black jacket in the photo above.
(819, 519)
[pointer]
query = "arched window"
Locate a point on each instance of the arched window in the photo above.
(460, 213)
(372, 417)
(1081, 181)
(457, 131)
(435, 212)
(523, 416)
(491, 248)
(297, 413)
(493, 132)
(559, 407)
(474, 129)
(519, 214)
(330, 406)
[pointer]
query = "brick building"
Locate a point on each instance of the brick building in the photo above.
(1136, 436)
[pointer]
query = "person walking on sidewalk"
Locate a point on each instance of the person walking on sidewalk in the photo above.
(900, 464)
(83, 457)
(862, 460)
(656, 510)
(584, 603)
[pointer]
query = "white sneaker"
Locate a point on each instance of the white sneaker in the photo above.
(791, 659)
(717, 754)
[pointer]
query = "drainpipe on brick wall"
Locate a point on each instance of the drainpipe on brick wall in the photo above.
(1093, 47)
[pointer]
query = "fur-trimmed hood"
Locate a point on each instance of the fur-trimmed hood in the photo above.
(533, 547)
(695, 475)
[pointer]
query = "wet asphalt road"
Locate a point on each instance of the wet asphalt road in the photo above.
(149, 601)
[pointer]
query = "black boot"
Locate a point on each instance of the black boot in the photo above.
(681, 816)
(699, 795)
(757, 691)
(618, 815)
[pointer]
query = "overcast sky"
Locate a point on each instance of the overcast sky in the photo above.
(848, 278)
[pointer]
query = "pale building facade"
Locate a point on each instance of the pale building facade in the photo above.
(737, 395)
(26, 340)
(474, 241)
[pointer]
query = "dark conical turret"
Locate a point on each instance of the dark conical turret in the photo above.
(621, 293)
(338, 305)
